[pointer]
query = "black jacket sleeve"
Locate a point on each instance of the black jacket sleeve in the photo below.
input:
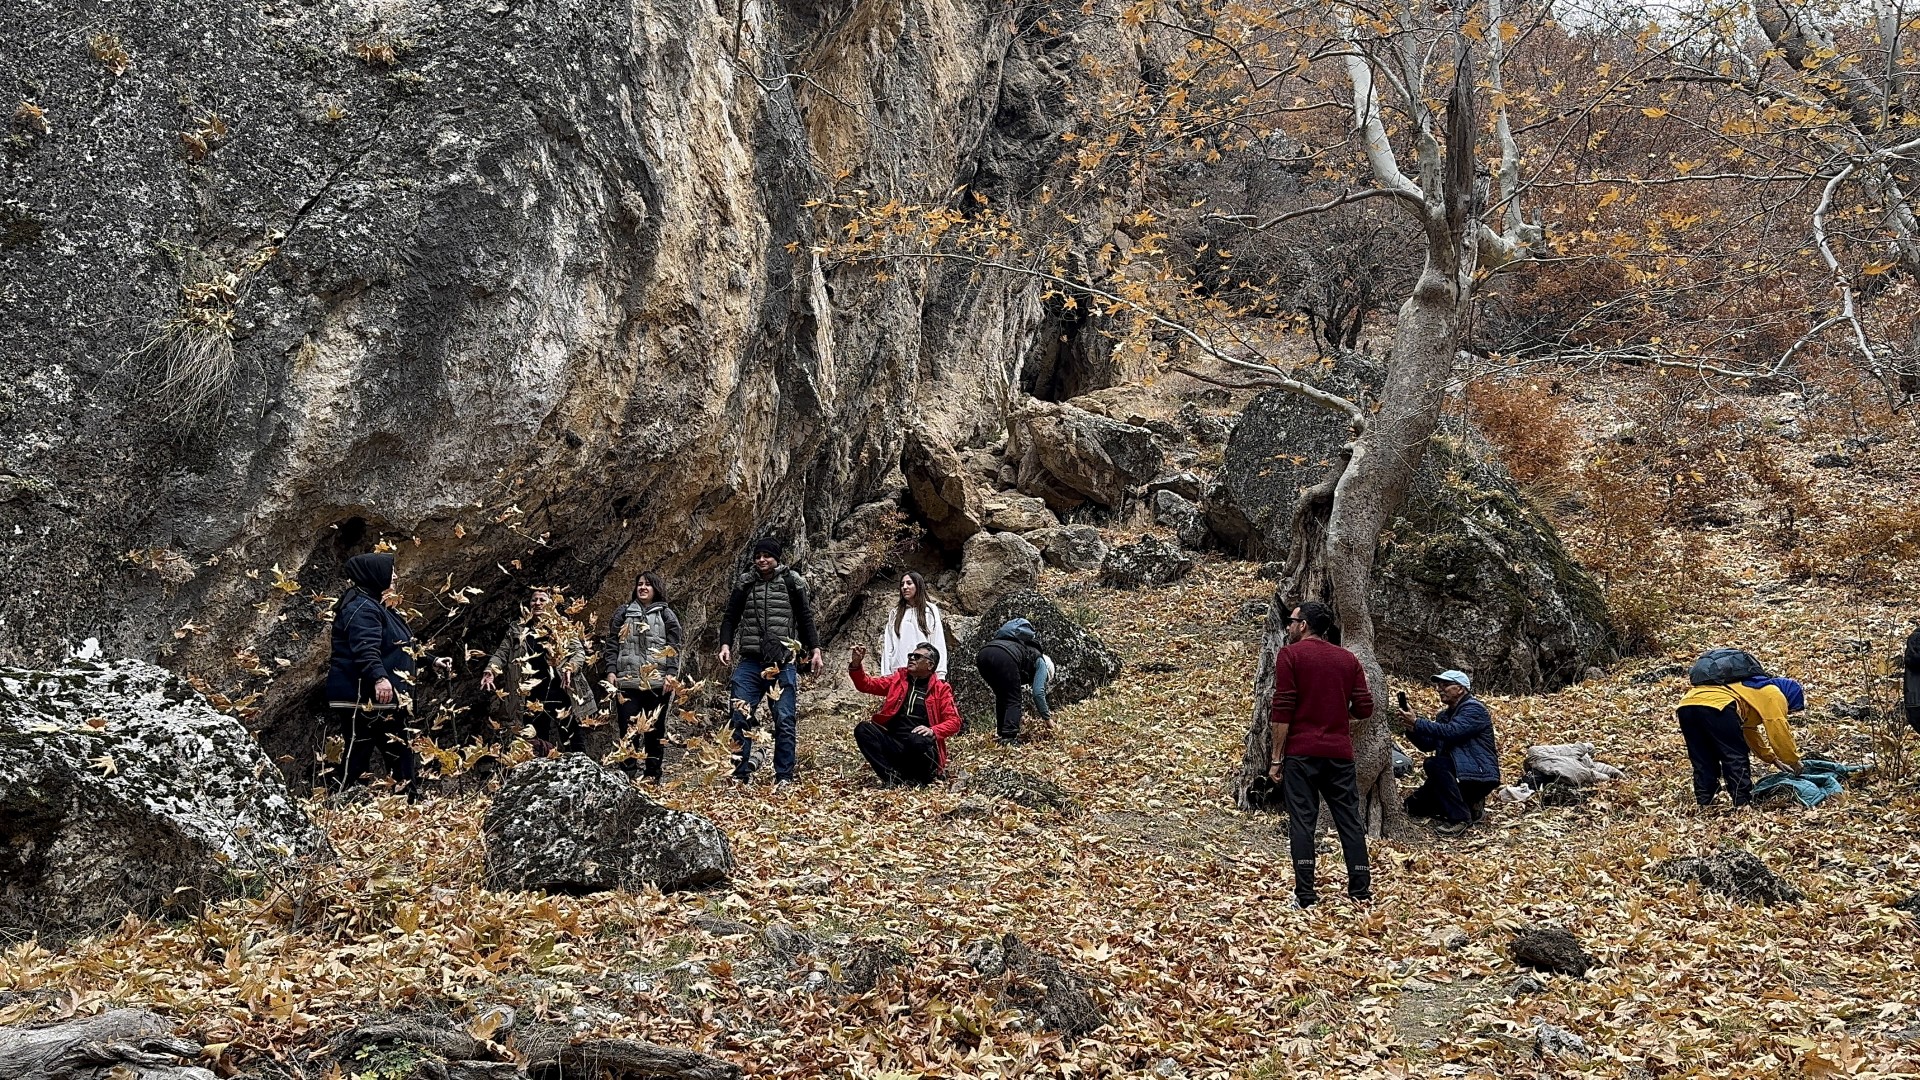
(367, 642)
(802, 612)
(736, 607)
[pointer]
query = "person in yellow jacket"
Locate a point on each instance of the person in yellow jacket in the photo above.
(1721, 724)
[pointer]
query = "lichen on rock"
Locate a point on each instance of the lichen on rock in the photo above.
(121, 788)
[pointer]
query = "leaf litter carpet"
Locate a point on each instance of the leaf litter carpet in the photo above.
(1174, 905)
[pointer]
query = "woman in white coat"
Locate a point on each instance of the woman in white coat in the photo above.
(915, 619)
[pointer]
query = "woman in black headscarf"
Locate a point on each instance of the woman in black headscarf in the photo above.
(370, 680)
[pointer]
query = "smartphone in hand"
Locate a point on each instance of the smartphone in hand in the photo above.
(1403, 701)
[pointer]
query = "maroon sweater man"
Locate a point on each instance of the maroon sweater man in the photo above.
(1317, 687)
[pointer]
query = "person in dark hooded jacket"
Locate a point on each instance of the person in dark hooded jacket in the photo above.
(370, 676)
(1011, 662)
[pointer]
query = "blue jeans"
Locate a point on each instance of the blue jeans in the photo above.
(749, 688)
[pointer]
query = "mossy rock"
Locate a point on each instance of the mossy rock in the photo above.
(1469, 574)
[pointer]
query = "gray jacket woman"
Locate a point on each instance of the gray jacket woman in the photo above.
(643, 651)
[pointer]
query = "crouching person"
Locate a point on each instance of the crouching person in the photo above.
(1463, 766)
(906, 741)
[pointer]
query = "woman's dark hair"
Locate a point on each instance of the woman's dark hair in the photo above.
(918, 603)
(1318, 617)
(653, 579)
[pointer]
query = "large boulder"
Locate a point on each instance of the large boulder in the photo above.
(993, 565)
(1082, 662)
(568, 825)
(1146, 563)
(1069, 456)
(1470, 575)
(943, 490)
(121, 789)
(1180, 514)
(1007, 512)
(1070, 547)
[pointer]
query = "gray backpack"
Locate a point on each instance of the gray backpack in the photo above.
(1724, 667)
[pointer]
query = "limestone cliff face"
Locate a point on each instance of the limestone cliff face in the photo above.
(502, 279)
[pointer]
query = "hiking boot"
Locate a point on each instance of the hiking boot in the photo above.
(1302, 901)
(1452, 828)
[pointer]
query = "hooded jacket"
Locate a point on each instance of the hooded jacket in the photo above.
(1913, 681)
(370, 640)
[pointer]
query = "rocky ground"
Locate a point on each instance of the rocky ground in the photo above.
(862, 933)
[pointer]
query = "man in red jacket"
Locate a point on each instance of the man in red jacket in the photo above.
(906, 741)
(1317, 685)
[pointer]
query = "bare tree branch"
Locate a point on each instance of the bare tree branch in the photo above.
(1321, 208)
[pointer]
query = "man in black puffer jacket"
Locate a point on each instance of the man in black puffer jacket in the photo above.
(768, 609)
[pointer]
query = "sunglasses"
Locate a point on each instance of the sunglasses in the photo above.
(919, 658)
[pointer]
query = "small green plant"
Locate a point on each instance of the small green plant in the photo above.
(333, 109)
(386, 1061)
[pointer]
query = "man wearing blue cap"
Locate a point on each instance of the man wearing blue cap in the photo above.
(1463, 764)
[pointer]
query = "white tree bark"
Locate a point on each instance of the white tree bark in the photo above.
(1337, 524)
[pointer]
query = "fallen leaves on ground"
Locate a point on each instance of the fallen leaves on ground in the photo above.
(1156, 889)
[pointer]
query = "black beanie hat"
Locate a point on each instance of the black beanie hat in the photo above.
(767, 544)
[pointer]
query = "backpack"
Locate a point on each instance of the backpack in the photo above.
(1724, 667)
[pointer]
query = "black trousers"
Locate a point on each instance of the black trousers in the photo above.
(1309, 780)
(366, 731)
(1002, 672)
(1718, 751)
(553, 723)
(649, 707)
(1444, 795)
(904, 758)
